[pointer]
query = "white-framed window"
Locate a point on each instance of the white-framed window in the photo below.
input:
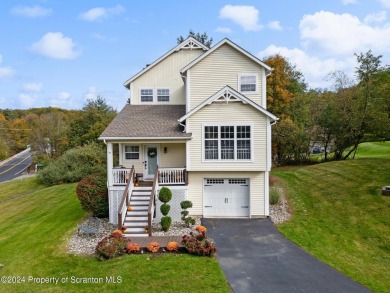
(227, 143)
(247, 83)
(146, 95)
(131, 152)
(163, 95)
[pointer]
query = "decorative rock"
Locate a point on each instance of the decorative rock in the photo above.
(279, 212)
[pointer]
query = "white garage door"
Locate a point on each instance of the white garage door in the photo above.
(226, 197)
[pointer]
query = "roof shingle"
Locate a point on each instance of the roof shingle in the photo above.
(147, 121)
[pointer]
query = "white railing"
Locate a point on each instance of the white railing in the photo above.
(171, 176)
(120, 176)
(125, 199)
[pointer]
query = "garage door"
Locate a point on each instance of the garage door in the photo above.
(227, 197)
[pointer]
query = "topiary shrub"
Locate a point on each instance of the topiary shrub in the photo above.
(93, 195)
(165, 194)
(166, 222)
(165, 209)
(186, 204)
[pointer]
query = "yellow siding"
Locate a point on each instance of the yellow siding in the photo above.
(256, 179)
(219, 69)
(166, 74)
(174, 158)
(233, 113)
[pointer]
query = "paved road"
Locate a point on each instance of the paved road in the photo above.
(255, 257)
(13, 168)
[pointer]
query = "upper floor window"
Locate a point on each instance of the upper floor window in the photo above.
(163, 95)
(146, 95)
(227, 143)
(247, 83)
(132, 152)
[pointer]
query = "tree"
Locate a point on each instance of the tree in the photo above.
(203, 38)
(96, 116)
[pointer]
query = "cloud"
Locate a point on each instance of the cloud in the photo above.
(31, 11)
(313, 68)
(223, 30)
(27, 101)
(100, 13)
(57, 46)
(377, 17)
(62, 100)
(91, 93)
(32, 87)
(337, 33)
(275, 25)
(385, 3)
(245, 16)
(6, 72)
(346, 2)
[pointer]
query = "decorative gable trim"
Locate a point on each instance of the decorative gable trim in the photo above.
(188, 44)
(228, 95)
(235, 46)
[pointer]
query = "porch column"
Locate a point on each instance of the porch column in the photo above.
(110, 163)
(120, 149)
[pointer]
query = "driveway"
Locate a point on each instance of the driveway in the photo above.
(255, 257)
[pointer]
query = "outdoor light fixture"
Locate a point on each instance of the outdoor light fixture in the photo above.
(165, 150)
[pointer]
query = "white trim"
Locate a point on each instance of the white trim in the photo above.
(144, 138)
(140, 97)
(268, 145)
(110, 163)
(188, 92)
(188, 156)
(263, 89)
(256, 83)
(124, 153)
(266, 194)
(235, 46)
(120, 150)
(177, 48)
(145, 155)
(227, 92)
(235, 160)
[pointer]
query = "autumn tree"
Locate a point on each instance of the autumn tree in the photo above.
(203, 38)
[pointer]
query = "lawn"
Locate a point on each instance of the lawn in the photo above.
(35, 223)
(340, 216)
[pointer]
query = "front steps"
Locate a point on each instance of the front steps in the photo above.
(137, 219)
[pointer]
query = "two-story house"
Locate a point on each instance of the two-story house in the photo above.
(197, 123)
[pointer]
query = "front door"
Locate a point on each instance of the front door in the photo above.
(151, 160)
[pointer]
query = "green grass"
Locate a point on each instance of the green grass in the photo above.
(35, 223)
(340, 216)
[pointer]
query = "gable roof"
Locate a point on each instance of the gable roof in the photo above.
(189, 43)
(228, 94)
(147, 122)
(235, 46)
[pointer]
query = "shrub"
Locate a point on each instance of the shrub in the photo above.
(274, 195)
(110, 247)
(165, 209)
(165, 194)
(74, 165)
(153, 246)
(186, 204)
(172, 246)
(133, 247)
(93, 195)
(198, 244)
(166, 222)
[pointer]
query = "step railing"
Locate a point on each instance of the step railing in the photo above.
(152, 201)
(172, 176)
(125, 198)
(119, 176)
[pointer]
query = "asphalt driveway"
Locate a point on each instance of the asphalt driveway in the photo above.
(255, 257)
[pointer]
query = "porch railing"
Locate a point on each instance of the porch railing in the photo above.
(125, 198)
(172, 176)
(120, 175)
(152, 201)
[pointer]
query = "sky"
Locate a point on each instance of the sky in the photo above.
(61, 53)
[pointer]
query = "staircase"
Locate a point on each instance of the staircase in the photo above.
(137, 219)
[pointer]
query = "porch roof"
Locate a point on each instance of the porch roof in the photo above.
(147, 121)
